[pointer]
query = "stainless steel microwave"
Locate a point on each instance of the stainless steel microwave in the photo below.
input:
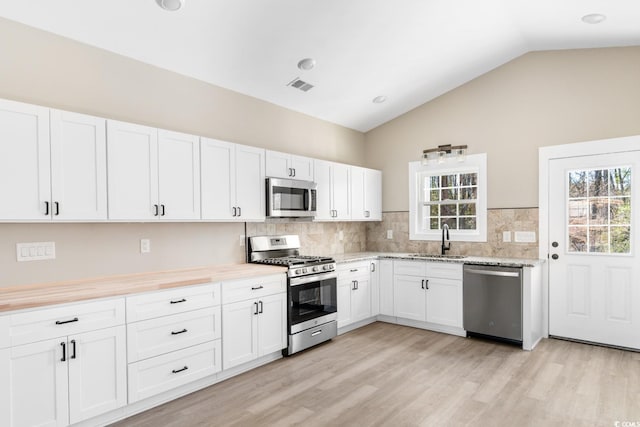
(290, 198)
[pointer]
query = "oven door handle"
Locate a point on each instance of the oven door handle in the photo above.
(296, 281)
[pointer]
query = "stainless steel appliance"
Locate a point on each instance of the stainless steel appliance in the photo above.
(492, 300)
(312, 289)
(290, 198)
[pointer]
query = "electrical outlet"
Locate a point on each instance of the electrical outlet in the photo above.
(506, 236)
(242, 240)
(145, 246)
(341, 235)
(389, 234)
(35, 251)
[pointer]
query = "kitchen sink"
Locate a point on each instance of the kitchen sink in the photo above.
(438, 256)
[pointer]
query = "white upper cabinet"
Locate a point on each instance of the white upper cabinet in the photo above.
(25, 187)
(284, 165)
(152, 174)
(78, 167)
(232, 181)
(333, 195)
(59, 176)
(366, 194)
(178, 175)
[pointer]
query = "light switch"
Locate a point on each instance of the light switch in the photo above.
(506, 236)
(389, 234)
(525, 236)
(341, 235)
(35, 251)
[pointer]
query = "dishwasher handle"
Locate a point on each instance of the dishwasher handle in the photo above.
(494, 273)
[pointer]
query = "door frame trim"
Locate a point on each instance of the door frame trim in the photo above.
(545, 156)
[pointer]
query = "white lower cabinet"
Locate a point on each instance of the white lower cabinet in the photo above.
(385, 284)
(175, 340)
(428, 292)
(63, 380)
(354, 293)
(254, 319)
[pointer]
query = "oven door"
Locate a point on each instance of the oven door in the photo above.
(312, 301)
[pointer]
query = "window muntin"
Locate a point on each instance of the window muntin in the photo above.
(450, 199)
(599, 210)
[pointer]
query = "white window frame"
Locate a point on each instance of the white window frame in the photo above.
(475, 163)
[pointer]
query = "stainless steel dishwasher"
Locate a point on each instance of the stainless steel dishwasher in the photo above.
(492, 301)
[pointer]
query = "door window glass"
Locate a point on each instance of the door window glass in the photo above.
(599, 210)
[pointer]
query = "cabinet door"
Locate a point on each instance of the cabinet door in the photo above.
(302, 168)
(375, 287)
(132, 168)
(217, 179)
(25, 187)
(34, 386)
(385, 277)
(444, 302)
(272, 324)
(361, 299)
(97, 372)
(341, 191)
(344, 288)
(178, 175)
(239, 333)
(78, 167)
(358, 193)
(322, 174)
(372, 194)
(250, 183)
(278, 165)
(409, 297)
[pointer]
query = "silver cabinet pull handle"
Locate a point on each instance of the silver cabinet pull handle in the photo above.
(316, 333)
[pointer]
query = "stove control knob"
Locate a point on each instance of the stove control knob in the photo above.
(304, 270)
(316, 268)
(298, 271)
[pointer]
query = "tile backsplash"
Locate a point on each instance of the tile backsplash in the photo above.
(323, 238)
(498, 221)
(318, 238)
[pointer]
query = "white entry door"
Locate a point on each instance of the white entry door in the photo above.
(594, 266)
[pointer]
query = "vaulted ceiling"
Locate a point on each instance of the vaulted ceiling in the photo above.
(409, 51)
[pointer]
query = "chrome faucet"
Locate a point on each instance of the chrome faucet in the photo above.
(445, 248)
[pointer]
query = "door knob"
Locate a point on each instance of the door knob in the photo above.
(554, 244)
(555, 256)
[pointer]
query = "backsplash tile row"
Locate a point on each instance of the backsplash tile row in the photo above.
(323, 238)
(498, 221)
(318, 238)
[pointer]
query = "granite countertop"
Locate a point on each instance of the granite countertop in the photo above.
(503, 262)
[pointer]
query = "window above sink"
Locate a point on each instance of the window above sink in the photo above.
(451, 194)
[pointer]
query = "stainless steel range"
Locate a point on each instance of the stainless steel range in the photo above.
(312, 289)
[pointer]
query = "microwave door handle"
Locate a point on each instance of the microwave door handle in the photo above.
(309, 199)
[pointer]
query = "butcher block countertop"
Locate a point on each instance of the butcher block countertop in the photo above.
(37, 295)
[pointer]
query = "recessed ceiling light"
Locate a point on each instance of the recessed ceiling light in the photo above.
(306, 64)
(593, 18)
(379, 99)
(170, 5)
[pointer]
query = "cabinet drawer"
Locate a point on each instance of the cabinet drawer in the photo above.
(159, 374)
(240, 290)
(59, 321)
(410, 268)
(354, 269)
(154, 337)
(173, 301)
(444, 270)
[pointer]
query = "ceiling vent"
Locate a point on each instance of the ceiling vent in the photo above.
(300, 84)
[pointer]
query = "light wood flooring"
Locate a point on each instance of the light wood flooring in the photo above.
(389, 375)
